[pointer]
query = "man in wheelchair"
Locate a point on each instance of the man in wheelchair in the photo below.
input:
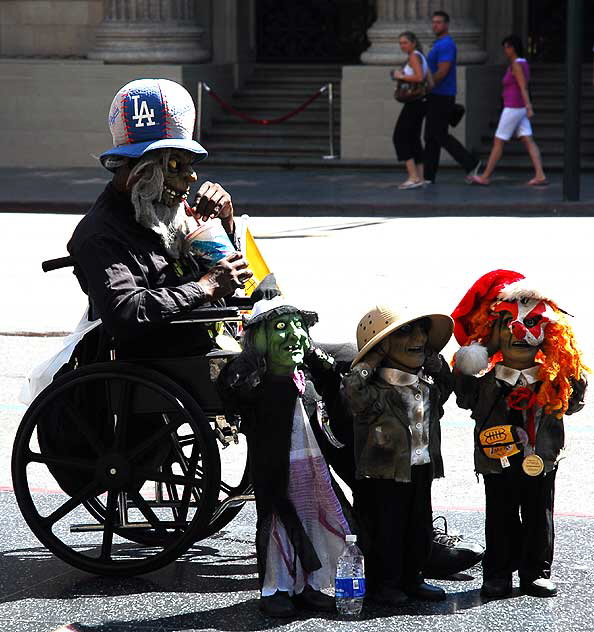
(131, 250)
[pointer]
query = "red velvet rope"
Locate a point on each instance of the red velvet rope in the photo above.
(258, 121)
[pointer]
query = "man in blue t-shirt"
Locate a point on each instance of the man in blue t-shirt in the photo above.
(440, 102)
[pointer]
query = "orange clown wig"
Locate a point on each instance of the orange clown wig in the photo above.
(561, 364)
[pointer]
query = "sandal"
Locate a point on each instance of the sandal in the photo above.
(480, 180)
(411, 184)
(538, 183)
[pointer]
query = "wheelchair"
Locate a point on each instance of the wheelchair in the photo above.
(136, 449)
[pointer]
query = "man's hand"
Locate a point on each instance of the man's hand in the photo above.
(213, 201)
(225, 277)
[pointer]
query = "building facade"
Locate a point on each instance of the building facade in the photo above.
(62, 60)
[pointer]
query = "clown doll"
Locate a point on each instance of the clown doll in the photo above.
(519, 372)
(301, 527)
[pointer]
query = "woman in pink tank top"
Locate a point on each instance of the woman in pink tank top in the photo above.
(516, 114)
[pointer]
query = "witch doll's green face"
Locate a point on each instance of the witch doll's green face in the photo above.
(284, 341)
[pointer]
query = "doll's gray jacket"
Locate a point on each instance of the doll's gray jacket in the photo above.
(486, 398)
(375, 403)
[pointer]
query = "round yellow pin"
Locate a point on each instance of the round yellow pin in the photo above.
(533, 465)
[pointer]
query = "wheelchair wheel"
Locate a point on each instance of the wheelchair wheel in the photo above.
(234, 487)
(137, 458)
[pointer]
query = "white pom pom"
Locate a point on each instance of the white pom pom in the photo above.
(473, 359)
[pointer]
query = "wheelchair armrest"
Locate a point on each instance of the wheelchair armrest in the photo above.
(208, 315)
(241, 302)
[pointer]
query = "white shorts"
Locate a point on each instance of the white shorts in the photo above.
(513, 121)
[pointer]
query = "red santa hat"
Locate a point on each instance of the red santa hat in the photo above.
(488, 287)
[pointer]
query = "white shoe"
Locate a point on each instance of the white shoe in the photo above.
(411, 184)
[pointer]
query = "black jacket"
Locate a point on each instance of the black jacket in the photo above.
(133, 284)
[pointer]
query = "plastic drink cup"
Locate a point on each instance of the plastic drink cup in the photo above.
(210, 242)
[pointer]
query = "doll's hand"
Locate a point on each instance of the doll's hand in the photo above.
(433, 362)
(376, 356)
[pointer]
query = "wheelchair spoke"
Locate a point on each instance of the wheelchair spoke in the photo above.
(174, 497)
(108, 525)
(147, 512)
(78, 464)
(89, 490)
(82, 423)
(154, 439)
(226, 488)
(188, 491)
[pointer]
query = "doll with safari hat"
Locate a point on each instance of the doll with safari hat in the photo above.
(395, 391)
(518, 371)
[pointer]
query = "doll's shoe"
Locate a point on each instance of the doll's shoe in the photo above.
(278, 605)
(541, 587)
(387, 596)
(315, 600)
(426, 592)
(496, 588)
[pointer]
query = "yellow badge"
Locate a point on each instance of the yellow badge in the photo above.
(533, 465)
(498, 442)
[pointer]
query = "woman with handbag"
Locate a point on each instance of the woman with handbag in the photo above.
(516, 114)
(414, 82)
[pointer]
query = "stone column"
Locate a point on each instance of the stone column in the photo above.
(395, 16)
(151, 31)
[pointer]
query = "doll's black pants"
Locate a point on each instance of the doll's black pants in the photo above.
(519, 529)
(396, 520)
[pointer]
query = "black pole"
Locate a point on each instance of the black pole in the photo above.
(573, 89)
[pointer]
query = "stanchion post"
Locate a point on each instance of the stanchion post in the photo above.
(331, 155)
(199, 111)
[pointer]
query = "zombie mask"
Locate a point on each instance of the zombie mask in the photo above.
(178, 174)
(284, 341)
(530, 316)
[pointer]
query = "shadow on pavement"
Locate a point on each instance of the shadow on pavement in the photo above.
(35, 572)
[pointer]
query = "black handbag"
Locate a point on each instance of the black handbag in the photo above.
(458, 111)
(406, 91)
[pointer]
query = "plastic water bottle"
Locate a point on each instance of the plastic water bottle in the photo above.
(350, 579)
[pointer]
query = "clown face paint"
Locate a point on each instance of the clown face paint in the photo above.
(285, 345)
(178, 175)
(530, 316)
(407, 346)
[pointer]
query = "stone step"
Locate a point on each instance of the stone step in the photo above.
(270, 147)
(303, 119)
(280, 101)
(303, 68)
(286, 91)
(305, 84)
(547, 148)
(273, 131)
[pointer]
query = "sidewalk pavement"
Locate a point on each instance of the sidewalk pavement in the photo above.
(268, 191)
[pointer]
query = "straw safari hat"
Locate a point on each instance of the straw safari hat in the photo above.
(382, 320)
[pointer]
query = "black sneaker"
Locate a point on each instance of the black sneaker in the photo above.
(450, 554)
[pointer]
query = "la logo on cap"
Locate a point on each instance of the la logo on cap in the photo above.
(142, 113)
